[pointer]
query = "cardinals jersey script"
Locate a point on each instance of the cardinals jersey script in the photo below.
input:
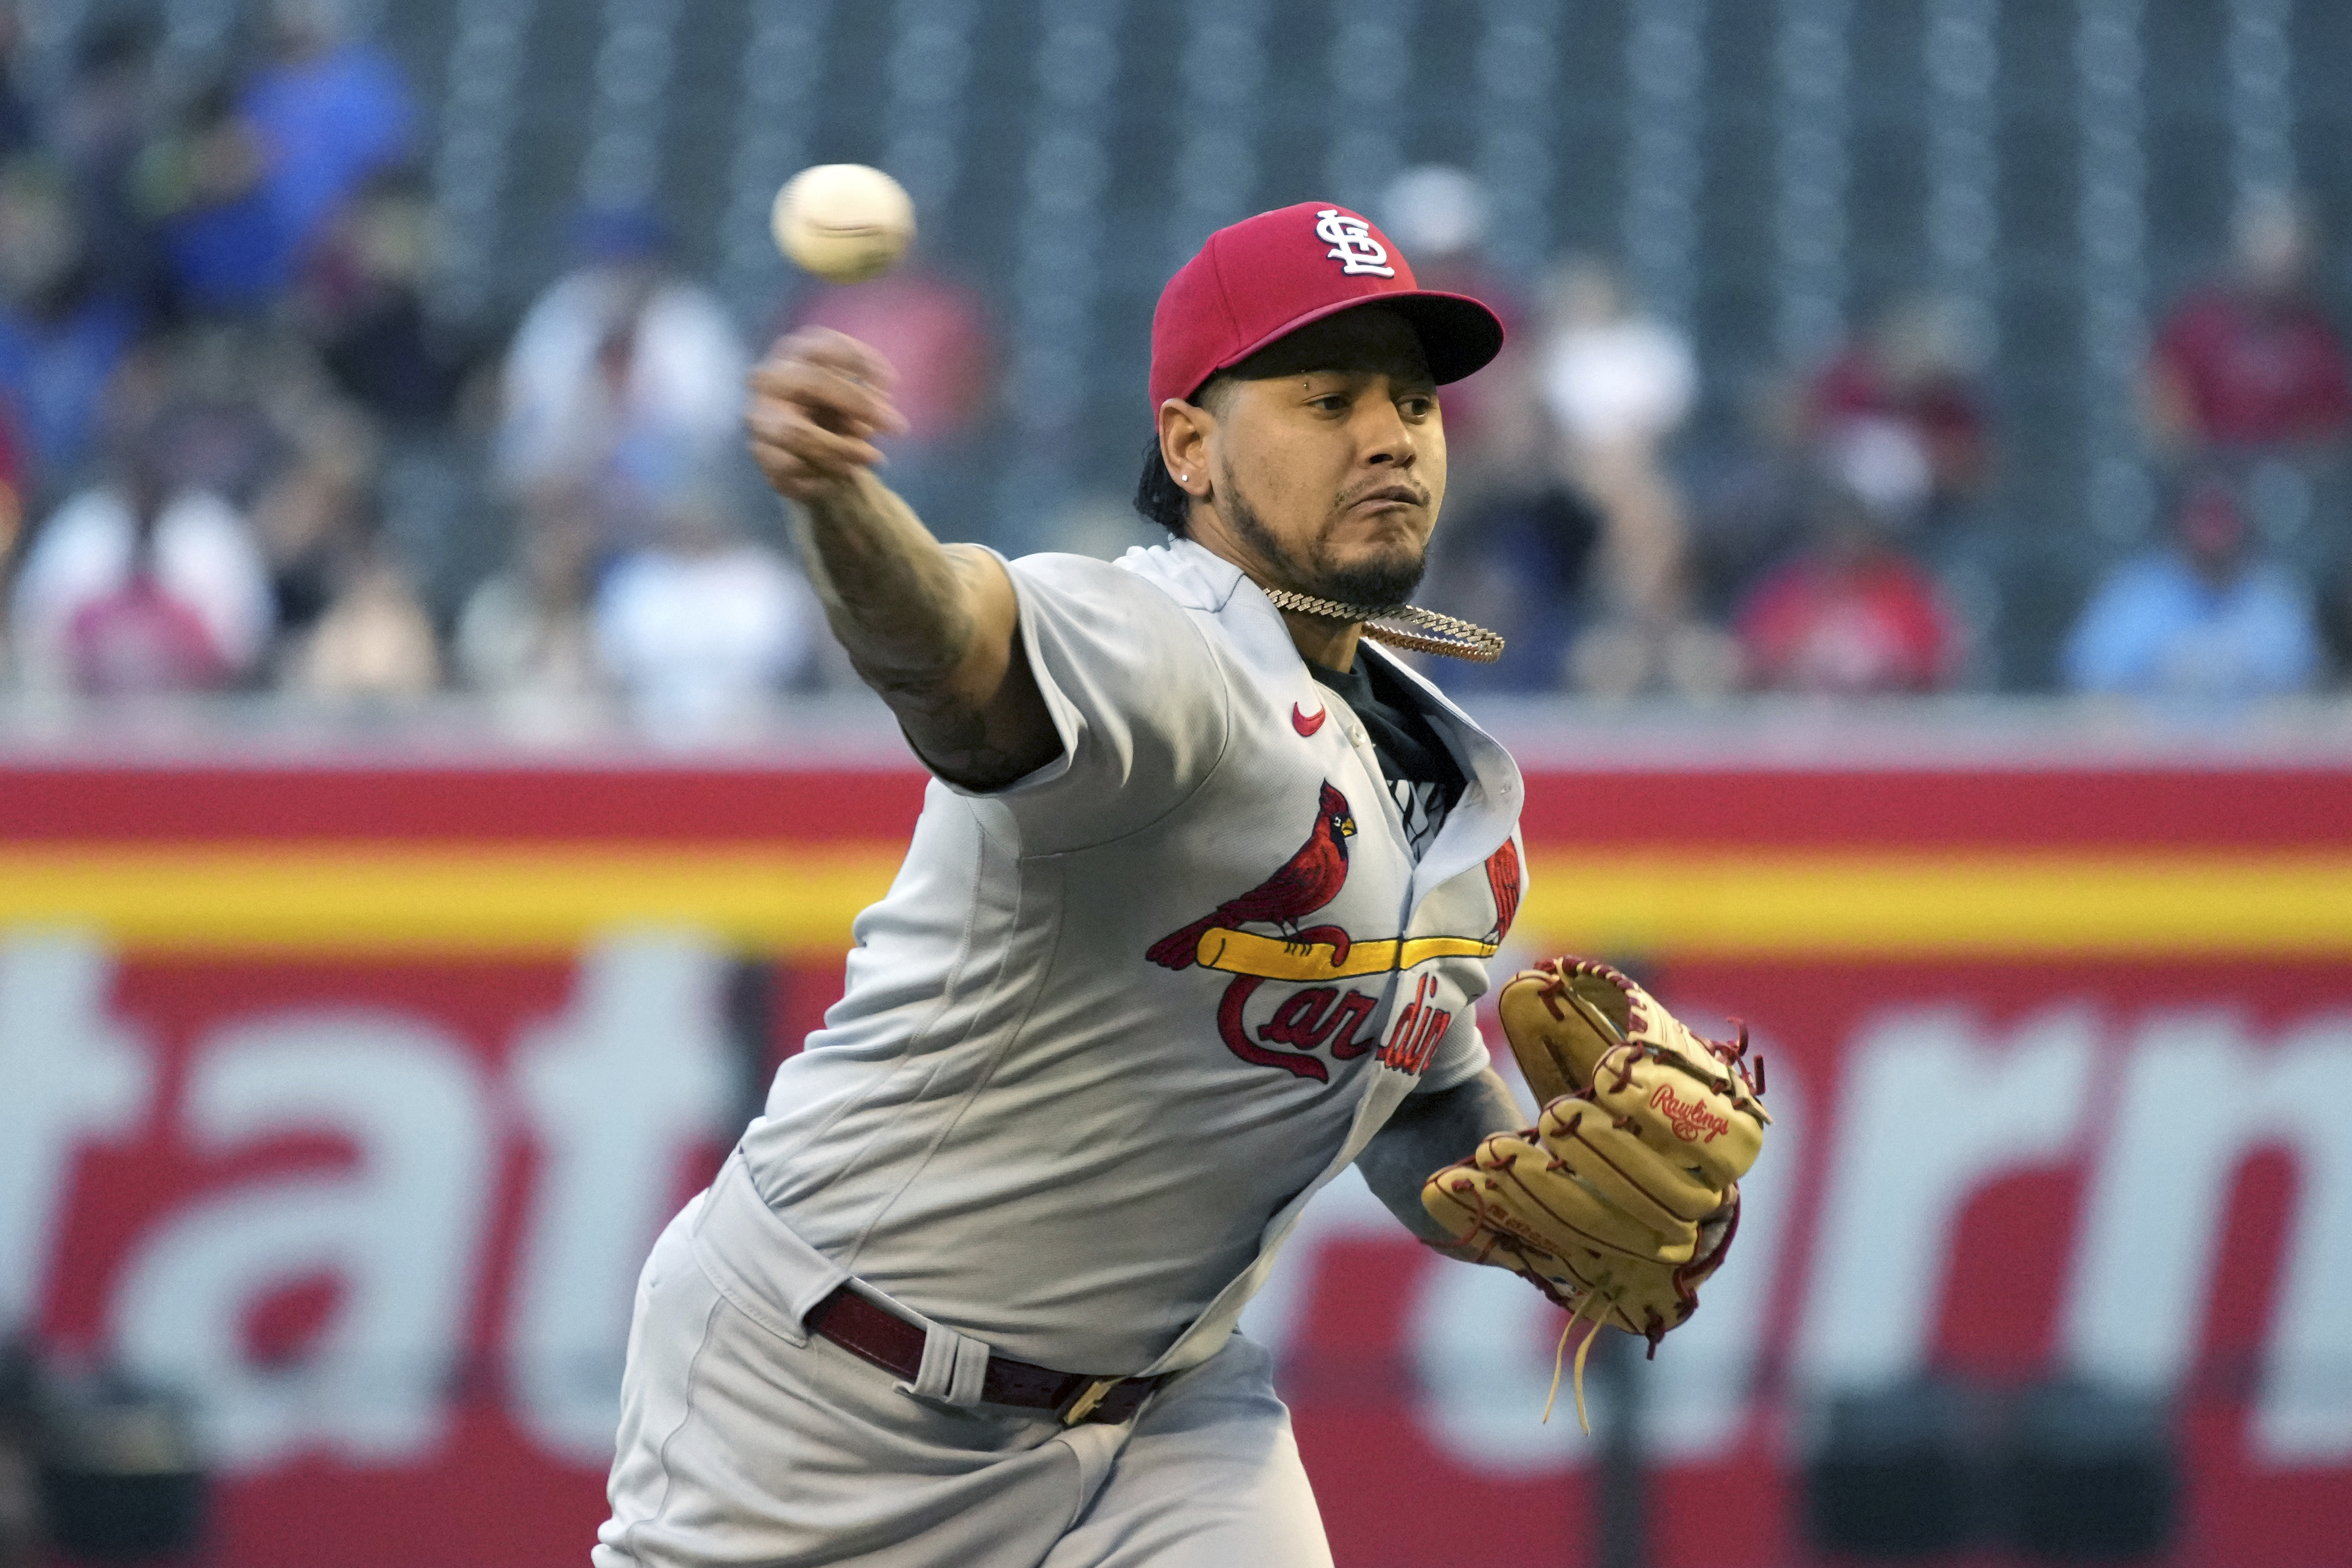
(1115, 1023)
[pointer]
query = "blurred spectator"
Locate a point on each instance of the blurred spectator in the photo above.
(1438, 215)
(1618, 385)
(374, 640)
(1519, 538)
(12, 498)
(1749, 494)
(364, 303)
(702, 624)
(100, 130)
(624, 377)
(138, 586)
(329, 112)
(20, 1520)
(1882, 462)
(933, 333)
(1516, 563)
(1909, 390)
(2335, 625)
(140, 638)
(223, 250)
(1849, 614)
(526, 631)
(2252, 364)
(234, 403)
(2201, 618)
(307, 521)
(62, 334)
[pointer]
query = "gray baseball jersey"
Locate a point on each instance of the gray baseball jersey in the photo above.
(1115, 1023)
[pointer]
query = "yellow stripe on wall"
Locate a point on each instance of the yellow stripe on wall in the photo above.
(799, 900)
(442, 901)
(1896, 905)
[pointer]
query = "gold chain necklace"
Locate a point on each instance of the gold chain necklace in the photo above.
(1435, 634)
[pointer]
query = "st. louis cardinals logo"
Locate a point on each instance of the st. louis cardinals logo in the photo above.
(1317, 1014)
(1353, 244)
(1307, 880)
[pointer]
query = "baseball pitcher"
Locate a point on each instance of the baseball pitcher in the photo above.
(1195, 916)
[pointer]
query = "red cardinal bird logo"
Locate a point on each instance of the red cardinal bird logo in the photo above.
(1504, 880)
(1307, 880)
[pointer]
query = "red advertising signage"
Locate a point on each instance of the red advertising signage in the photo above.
(349, 1100)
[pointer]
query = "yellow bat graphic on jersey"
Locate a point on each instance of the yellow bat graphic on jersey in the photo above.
(1271, 958)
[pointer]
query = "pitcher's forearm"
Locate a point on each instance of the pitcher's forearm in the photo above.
(900, 601)
(932, 629)
(1427, 1131)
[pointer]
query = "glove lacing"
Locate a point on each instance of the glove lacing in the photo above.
(1576, 1383)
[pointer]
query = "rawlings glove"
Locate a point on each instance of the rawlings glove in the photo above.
(1623, 1197)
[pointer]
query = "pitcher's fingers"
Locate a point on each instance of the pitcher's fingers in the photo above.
(778, 460)
(845, 352)
(785, 426)
(836, 351)
(841, 402)
(792, 475)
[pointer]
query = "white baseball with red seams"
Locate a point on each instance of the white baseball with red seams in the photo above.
(845, 222)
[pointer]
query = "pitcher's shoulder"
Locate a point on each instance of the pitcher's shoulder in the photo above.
(1098, 591)
(1194, 576)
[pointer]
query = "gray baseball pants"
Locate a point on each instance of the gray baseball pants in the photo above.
(746, 1441)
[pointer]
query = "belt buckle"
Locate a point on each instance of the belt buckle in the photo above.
(1082, 1403)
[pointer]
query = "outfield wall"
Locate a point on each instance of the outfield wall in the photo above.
(350, 1096)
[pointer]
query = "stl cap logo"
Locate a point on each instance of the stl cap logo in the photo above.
(1352, 244)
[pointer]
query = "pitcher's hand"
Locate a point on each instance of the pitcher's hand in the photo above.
(813, 408)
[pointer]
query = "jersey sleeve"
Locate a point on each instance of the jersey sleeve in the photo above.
(1136, 694)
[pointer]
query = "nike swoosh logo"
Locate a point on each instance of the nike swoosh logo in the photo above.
(1307, 723)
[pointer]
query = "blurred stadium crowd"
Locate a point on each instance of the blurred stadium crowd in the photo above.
(247, 447)
(1830, 547)
(242, 454)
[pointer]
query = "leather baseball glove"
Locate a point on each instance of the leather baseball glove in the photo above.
(1623, 1197)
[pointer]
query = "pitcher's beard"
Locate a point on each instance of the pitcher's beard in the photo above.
(1374, 585)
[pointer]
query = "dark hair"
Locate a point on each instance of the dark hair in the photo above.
(1158, 496)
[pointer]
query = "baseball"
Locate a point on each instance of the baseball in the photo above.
(845, 222)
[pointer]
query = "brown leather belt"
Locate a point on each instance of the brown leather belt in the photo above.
(894, 1344)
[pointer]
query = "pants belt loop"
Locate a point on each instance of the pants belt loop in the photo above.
(954, 1369)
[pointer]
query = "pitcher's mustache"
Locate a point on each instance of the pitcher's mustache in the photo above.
(1412, 494)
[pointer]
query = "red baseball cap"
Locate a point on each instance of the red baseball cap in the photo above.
(1265, 277)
